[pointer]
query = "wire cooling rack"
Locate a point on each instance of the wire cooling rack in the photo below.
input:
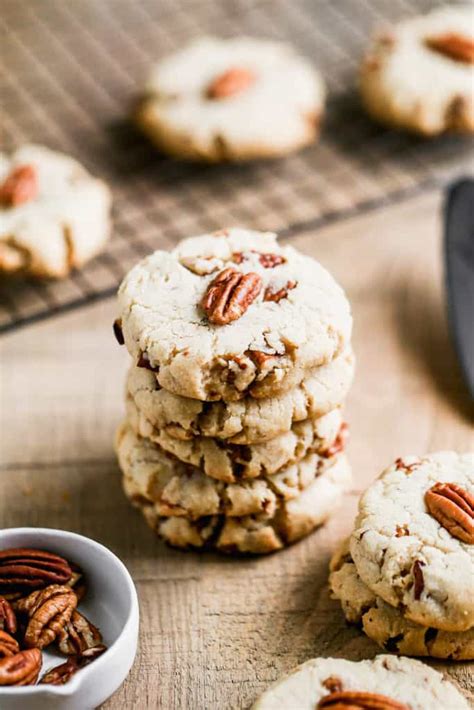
(73, 68)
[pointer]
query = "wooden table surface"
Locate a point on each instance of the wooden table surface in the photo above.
(216, 631)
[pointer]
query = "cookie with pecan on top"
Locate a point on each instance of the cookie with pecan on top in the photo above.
(413, 539)
(232, 314)
(419, 74)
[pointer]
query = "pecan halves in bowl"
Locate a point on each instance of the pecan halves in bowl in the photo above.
(359, 700)
(49, 612)
(21, 669)
(8, 645)
(80, 636)
(453, 507)
(23, 569)
(229, 295)
(7, 616)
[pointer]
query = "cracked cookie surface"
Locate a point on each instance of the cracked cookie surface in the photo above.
(385, 624)
(232, 462)
(178, 489)
(232, 99)
(405, 555)
(246, 421)
(300, 318)
(409, 683)
(54, 215)
(419, 75)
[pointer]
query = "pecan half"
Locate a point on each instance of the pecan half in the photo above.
(49, 612)
(229, 83)
(419, 582)
(359, 700)
(21, 669)
(276, 296)
(8, 645)
(7, 616)
(118, 332)
(25, 568)
(269, 261)
(59, 675)
(229, 295)
(453, 507)
(80, 635)
(452, 45)
(20, 186)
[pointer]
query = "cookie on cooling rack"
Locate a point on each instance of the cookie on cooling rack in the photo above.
(232, 99)
(54, 215)
(419, 76)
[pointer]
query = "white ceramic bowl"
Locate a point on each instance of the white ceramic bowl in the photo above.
(111, 604)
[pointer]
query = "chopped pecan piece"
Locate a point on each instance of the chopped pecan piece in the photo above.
(21, 669)
(453, 507)
(7, 616)
(276, 296)
(419, 582)
(402, 531)
(260, 358)
(269, 261)
(229, 83)
(8, 645)
(80, 635)
(339, 443)
(408, 467)
(59, 675)
(454, 46)
(118, 332)
(333, 684)
(25, 568)
(144, 362)
(359, 700)
(229, 295)
(49, 612)
(20, 186)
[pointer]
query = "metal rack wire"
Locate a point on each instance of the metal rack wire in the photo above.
(73, 69)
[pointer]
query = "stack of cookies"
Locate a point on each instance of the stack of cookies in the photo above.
(234, 434)
(406, 574)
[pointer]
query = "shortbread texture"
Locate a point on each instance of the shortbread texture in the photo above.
(385, 624)
(407, 84)
(66, 222)
(278, 112)
(404, 555)
(267, 350)
(401, 679)
(248, 420)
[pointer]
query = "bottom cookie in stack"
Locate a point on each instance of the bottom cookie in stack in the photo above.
(187, 508)
(387, 625)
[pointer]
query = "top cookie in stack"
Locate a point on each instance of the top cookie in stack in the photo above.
(234, 433)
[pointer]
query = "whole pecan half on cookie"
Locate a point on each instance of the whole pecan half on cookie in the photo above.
(229, 295)
(21, 669)
(229, 83)
(25, 569)
(454, 46)
(359, 700)
(453, 507)
(49, 612)
(20, 186)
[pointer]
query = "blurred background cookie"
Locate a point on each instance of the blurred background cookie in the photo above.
(419, 76)
(54, 215)
(232, 99)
